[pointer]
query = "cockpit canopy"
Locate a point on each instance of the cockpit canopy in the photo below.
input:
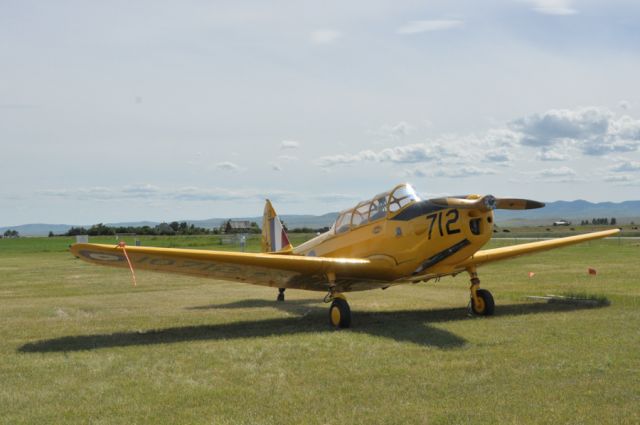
(381, 206)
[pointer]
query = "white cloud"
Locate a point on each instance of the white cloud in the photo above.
(226, 166)
(498, 155)
(141, 189)
(399, 130)
(325, 36)
(626, 166)
(624, 104)
(455, 172)
(621, 178)
(289, 144)
(556, 172)
(398, 154)
(549, 175)
(551, 155)
(97, 193)
(188, 194)
(501, 137)
(449, 149)
(337, 197)
(289, 158)
(595, 131)
(556, 175)
(553, 7)
(416, 27)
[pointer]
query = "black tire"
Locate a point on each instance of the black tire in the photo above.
(340, 314)
(487, 305)
(280, 294)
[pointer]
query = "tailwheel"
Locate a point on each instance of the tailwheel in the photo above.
(280, 294)
(483, 304)
(340, 313)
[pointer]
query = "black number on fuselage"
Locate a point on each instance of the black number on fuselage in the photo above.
(433, 220)
(452, 218)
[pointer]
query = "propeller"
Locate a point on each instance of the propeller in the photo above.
(488, 202)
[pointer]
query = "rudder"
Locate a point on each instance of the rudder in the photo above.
(274, 237)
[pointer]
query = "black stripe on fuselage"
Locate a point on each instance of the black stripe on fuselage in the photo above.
(442, 255)
(418, 209)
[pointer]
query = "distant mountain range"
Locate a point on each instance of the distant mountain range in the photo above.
(575, 211)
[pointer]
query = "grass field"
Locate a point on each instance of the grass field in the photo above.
(79, 344)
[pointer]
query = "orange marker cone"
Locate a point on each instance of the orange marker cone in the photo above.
(592, 271)
(531, 274)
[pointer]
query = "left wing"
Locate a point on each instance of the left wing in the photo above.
(276, 270)
(490, 255)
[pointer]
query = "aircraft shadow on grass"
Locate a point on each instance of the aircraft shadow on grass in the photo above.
(411, 326)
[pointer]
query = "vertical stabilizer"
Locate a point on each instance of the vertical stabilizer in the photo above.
(274, 238)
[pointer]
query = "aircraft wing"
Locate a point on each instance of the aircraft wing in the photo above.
(275, 270)
(496, 254)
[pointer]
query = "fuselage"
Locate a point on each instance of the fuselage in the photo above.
(420, 238)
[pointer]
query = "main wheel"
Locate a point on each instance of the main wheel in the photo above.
(340, 314)
(485, 305)
(280, 294)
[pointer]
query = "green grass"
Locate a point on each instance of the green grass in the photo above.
(79, 344)
(502, 231)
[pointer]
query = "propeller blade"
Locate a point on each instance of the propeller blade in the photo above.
(488, 202)
(517, 204)
(484, 203)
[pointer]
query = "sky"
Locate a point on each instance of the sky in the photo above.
(163, 110)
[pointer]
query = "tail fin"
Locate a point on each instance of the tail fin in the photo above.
(274, 238)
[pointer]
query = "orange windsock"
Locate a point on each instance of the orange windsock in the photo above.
(123, 245)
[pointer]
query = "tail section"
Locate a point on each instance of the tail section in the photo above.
(274, 238)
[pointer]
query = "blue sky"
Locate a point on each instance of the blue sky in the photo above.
(121, 111)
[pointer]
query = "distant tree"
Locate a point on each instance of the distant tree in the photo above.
(228, 228)
(11, 234)
(165, 229)
(51, 234)
(101, 230)
(254, 228)
(74, 231)
(613, 221)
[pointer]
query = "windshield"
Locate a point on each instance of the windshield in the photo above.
(403, 195)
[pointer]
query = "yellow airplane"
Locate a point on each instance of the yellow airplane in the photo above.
(390, 239)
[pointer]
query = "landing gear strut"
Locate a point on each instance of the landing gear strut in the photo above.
(481, 300)
(339, 312)
(281, 294)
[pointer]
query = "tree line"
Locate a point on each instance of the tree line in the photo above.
(162, 229)
(173, 228)
(599, 221)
